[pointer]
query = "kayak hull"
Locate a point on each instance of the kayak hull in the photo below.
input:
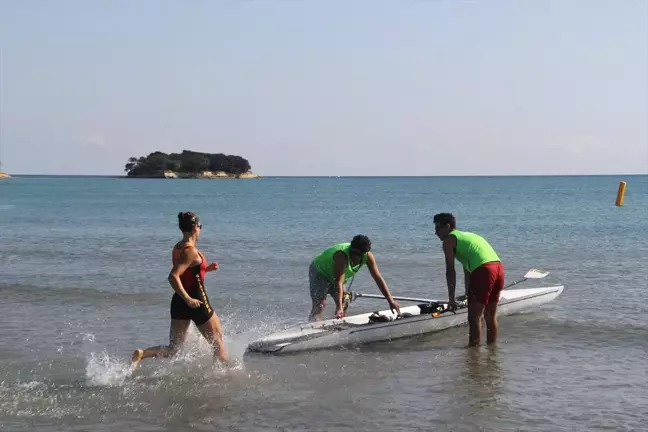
(357, 329)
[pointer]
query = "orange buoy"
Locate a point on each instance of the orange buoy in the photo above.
(620, 194)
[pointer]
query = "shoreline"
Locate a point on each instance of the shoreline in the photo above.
(204, 175)
(15, 175)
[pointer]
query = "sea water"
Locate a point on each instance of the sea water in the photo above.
(83, 276)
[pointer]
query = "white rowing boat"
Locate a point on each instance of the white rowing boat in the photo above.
(414, 320)
(426, 317)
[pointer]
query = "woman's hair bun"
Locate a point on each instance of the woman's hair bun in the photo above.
(187, 221)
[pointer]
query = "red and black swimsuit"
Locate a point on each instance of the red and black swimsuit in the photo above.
(193, 282)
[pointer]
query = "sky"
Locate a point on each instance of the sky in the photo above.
(405, 87)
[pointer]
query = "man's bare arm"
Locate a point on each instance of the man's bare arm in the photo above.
(449, 245)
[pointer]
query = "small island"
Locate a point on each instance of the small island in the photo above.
(189, 164)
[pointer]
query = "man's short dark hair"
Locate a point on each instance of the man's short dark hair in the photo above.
(361, 243)
(445, 218)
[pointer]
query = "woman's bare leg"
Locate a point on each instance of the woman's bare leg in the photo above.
(213, 332)
(177, 337)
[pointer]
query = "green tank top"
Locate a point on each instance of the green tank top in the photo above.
(472, 250)
(325, 264)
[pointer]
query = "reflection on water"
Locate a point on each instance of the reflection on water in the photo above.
(480, 383)
(483, 365)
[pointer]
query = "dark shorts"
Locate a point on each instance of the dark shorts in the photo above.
(486, 283)
(319, 285)
(200, 315)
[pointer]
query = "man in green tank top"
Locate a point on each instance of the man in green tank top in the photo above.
(483, 275)
(331, 269)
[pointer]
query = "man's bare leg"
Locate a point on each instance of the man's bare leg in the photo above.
(475, 313)
(490, 315)
(316, 310)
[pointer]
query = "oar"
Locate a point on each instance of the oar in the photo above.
(407, 299)
(531, 274)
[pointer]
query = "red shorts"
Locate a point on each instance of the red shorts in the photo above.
(486, 283)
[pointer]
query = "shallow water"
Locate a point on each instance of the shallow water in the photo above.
(84, 264)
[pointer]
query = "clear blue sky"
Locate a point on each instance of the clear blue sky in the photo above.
(328, 87)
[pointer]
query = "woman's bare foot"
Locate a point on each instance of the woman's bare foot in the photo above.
(137, 356)
(224, 363)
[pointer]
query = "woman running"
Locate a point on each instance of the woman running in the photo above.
(189, 302)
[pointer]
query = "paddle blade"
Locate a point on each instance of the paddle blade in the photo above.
(535, 274)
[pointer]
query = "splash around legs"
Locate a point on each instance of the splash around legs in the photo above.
(177, 337)
(211, 331)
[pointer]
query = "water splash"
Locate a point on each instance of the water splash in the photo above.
(106, 371)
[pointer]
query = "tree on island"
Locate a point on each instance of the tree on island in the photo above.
(186, 162)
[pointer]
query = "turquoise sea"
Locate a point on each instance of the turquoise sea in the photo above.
(83, 268)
